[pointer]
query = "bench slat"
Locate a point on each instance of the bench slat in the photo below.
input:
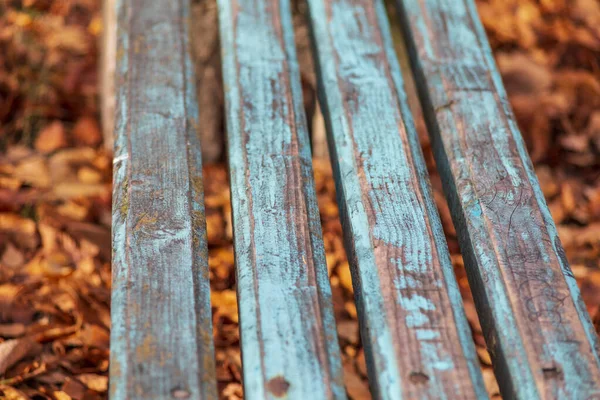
(161, 337)
(541, 338)
(288, 336)
(416, 336)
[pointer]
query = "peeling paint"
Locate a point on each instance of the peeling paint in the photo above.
(530, 309)
(410, 310)
(160, 292)
(286, 318)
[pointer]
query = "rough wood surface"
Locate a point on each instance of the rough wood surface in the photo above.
(161, 337)
(289, 342)
(540, 336)
(417, 339)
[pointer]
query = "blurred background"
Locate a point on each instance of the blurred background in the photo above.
(55, 181)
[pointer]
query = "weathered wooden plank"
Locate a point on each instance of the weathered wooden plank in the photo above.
(289, 343)
(542, 341)
(161, 338)
(417, 339)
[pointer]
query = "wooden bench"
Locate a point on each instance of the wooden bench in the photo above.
(416, 338)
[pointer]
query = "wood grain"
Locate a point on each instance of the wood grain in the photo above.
(416, 336)
(288, 336)
(161, 337)
(542, 342)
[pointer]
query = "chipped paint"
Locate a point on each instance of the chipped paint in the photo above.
(416, 337)
(286, 317)
(529, 305)
(161, 293)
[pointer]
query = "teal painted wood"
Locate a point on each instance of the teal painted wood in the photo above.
(288, 335)
(416, 336)
(542, 342)
(161, 337)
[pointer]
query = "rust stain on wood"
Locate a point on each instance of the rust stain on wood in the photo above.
(278, 386)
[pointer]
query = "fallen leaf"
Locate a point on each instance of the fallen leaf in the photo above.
(343, 272)
(51, 138)
(12, 330)
(33, 171)
(357, 388)
(60, 395)
(74, 388)
(12, 351)
(87, 132)
(10, 393)
(66, 191)
(95, 382)
(348, 331)
(12, 257)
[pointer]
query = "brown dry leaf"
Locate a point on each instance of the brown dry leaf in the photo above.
(10, 393)
(74, 210)
(12, 257)
(33, 171)
(233, 391)
(15, 223)
(361, 363)
(9, 182)
(87, 132)
(226, 302)
(12, 351)
(23, 229)
(67, 191)
(60, 395)
(88, 175)
(70, 38)
(343, 273)
(484, 356)
(491, 384)
(64, 163)
(94, 336)
(51, 138)
(12, 330)
(74, 388)
(348, 331)
(350, 308)
(95, 382)
(357, 388)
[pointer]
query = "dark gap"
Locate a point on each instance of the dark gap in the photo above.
(206, 55)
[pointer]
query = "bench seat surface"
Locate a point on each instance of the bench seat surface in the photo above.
(161, 336)
(541, 338)
(416, 337)
(417, 340)
(288, 336)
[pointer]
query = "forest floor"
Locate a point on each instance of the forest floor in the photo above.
(55, 191)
